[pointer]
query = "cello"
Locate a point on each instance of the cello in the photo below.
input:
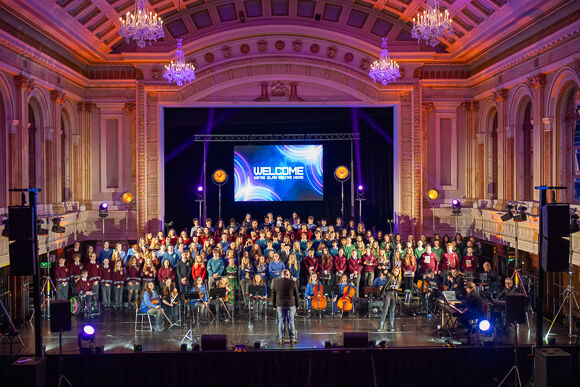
(344, 303)
(319, 299)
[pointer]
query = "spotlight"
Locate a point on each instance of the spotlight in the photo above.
(103, 210)
(196, 347)
(456, 207)
(521, 216)
(341, 173)
(56, 227)
(327, 344)
(127, 197)
(39, 229)
(137, 348)
(509, 214)
(484, 325)
(86, 339)
(219, 177)
(433, 194)
(183, 347)
(199, 188)
(360, 188)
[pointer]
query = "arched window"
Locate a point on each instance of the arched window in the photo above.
(493, 188)
(526, 152)
(32, 130)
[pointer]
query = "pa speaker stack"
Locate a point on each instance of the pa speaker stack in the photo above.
(555, 247)
(21, 229)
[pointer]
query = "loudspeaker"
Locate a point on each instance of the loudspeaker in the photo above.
(355, 339)
(28, 371)
(22, 257)
(60, 316)
(213, 342)
(20, 223)
(555, 254)
(552, 368)
(556, 220)
(515, 308)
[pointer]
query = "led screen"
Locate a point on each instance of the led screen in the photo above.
(277, 173)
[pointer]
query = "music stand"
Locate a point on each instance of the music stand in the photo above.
(190, 333)
(218, 294)
(256, 291)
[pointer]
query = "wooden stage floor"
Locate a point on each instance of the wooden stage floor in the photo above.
(115, 332)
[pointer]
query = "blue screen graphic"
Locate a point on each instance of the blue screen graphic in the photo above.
(277, 173)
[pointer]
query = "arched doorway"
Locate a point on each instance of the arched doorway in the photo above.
(526, 150)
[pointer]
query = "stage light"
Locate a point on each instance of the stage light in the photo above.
(183, 347)
(327, 344)
(199, 188)
(341, 173)
(39, 229)
(257, 344)
(521, 216)
(433, 194)
(360, 188)
(86, 339)
(56, 227)
(509, 214)
(456, 207)
(103, 210)
(219, 177)
(127, 197)
(137, 348)
(196, 347)
(484, 325)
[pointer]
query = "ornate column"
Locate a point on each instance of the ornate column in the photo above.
(18, 139)
(427, 137)
(500, 98)
(54, 173)
(84, 192)
(537, 85)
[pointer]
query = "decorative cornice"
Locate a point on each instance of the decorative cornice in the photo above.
(466, 106)
(23, 82)
(57, 96)
(130, 107)
(500, 95)
(428, 107)
(536, 81)
(86, 107)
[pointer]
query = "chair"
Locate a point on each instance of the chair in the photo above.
(138, 313)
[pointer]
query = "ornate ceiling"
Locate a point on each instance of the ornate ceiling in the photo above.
(89, 28)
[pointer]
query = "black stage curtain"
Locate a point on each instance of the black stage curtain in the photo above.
(462, 366)
(183, 159)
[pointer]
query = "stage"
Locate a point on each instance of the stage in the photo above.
(411, 345)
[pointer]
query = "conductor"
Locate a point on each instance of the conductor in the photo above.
(285, 302)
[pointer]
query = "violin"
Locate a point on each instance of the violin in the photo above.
(344, 303)
(174, 296)
(318, 300)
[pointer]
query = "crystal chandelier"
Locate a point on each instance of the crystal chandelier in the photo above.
(178, 71)
(432, 25)
(142, 25)
(384, 70)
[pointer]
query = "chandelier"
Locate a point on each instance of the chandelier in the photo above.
(178, 71)
(432, 25)
(384, 70)
(142, 25)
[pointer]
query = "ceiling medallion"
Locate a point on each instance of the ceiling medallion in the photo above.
(178, 71)
(384, 70)
(141, 26)
(431, 25)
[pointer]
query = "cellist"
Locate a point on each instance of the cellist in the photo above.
(309, 292)
(389, 296)
(343, 283)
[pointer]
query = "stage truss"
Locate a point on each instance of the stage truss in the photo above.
(276, 137)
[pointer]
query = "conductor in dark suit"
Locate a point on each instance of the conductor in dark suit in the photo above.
(285, 302)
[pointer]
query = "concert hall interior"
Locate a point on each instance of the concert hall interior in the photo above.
(291, 191)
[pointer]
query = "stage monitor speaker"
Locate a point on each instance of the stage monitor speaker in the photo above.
(556, 220)
(515, 308)
(355, 339)
(22, 257)
(20, 223)
(213, 342)
(28, 371)
(60, 316)
(555, 254)
(552, 368)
